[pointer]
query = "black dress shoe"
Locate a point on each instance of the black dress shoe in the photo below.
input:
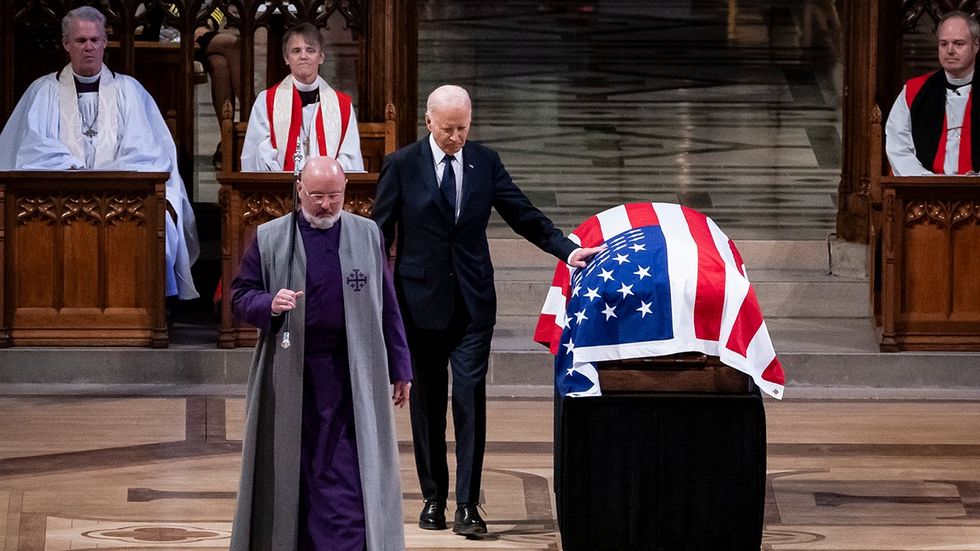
(468, 521)
(433, 515)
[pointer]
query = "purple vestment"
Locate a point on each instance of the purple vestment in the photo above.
(331, 505)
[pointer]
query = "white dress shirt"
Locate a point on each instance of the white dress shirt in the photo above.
(437, 157)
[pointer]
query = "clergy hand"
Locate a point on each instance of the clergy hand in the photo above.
(400, 393)
(581, 256)
(285, 300)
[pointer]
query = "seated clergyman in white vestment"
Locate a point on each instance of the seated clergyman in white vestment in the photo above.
(87, 117)
(301, 109)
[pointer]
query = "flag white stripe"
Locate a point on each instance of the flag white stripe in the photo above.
(736, 289)
(721, 243)
(613, 222)
(682, 267)
(554, 303)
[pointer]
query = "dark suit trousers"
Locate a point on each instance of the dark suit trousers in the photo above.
(467, 351)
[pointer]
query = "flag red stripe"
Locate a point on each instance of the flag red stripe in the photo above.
(590, 232)
(709, 301)
(747, 324)
(774, 372)
(641, 215)
(547, 332)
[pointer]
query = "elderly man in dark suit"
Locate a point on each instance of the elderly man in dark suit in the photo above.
(435, 196)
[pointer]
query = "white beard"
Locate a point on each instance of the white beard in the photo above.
(321, 222)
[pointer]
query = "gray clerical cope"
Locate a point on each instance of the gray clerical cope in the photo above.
(448, 185)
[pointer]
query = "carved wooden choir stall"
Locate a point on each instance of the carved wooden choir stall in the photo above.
(82, 256)
(117, 297)
(922, 232)
(385, 32)
(930, 294)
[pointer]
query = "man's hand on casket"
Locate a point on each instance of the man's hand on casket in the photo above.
(581, 256)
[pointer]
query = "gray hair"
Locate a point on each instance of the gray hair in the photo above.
(971, 23)
(310, 34)
(83, 13)
(448, 95)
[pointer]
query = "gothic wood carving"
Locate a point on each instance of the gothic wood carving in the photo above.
(930, 299)
(259, 207)
(105, 208)
(83, 258)
(948, 213)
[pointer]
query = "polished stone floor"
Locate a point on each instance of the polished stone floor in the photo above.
(161, 473)
(728, 106)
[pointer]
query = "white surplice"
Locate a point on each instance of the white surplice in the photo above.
(258, 155)
(899, 146)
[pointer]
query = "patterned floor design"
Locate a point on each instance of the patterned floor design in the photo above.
(730, 107)
(161, 473)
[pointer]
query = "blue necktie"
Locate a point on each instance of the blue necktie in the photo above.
(448, 185)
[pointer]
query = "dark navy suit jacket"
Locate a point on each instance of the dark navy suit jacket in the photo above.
(436, 253)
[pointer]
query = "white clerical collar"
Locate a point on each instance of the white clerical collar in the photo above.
(86, 80)
(438, 154)
(315, 85)
(959, 81)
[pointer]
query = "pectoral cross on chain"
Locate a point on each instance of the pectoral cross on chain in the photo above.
(90, 132)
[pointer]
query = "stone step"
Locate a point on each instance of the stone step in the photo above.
(789, 335)
(757, 255)
(839, 354)
(790, 278)
(825, 370)
(819, 324)
(781, 293)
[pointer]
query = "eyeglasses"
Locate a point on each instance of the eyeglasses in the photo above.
(319, 197)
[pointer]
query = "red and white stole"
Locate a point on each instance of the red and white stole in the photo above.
(286, 119)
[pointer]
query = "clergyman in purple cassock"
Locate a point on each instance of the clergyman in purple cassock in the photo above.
(320, 462)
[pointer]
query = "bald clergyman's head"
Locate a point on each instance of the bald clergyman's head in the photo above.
(321, 191)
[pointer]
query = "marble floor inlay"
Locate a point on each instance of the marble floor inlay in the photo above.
(841, 476)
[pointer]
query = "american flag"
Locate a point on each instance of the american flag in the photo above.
(669, 281)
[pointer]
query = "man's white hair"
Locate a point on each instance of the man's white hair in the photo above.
(447, 95)
(83, 13)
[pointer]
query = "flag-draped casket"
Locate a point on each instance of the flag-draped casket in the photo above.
(669, 281)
